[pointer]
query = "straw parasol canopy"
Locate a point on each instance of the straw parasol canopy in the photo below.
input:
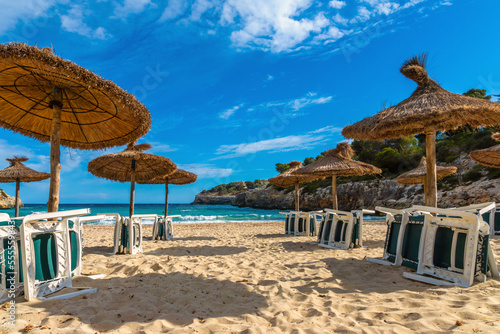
(418, 175)
(51, 99)
(338, 162)
(17, 172)
(489, 156)
(288, 178)
(429, 109)
(132, 165)
(180, 176)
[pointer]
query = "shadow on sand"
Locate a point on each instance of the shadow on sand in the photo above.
(176, 297)
(198, 251)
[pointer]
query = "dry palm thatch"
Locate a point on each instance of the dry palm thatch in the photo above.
(429, 109)
(17, 172)
(418, 175)
(288, 178)
(489, 156)
(131, 165)
(338, 162)
(179, 177)
(120, 166)
(48, 98)
(95, 113)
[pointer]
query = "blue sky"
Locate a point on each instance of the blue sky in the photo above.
(234, 86)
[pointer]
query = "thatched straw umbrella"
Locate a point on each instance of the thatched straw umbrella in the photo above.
(489, 156)
(338, 162)
(288, 178)
(132, 165)
(418, 175)
(180, 176)
(17, 172)
(429, 109)
(51, 99)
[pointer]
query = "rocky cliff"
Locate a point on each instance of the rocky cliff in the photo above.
(367, 194)
(213, 200)
(6, 201)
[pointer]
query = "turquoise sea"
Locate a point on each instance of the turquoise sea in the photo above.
(189, 213)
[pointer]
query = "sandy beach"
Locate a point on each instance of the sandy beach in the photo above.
(252, 278)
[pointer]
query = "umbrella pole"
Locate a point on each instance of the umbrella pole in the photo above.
(132, 194)
(431, 185)
(297, 207)
(334, 192)
(166, 199)
(17, 199)
(55, 152)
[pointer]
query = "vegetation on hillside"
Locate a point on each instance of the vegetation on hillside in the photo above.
(233, 188)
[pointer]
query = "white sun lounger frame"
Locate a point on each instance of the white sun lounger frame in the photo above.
(349, 221)
(470, 224)
(390, 217)
(78, 230)
(480, 209)
(135, 222)
(167, 227)
(288, 216)
(40, 224)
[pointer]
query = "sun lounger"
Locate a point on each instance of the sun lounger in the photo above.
(128, 233)
(403, 238)
(163, 229)
(76, 239)
(46, 254)
(342, 229)
(300, 223)
(455, 248)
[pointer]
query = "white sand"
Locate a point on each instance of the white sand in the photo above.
(252, 278)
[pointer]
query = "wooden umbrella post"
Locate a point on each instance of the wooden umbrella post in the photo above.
(132, 190)
(17, 197)
(297, 207)
(334, 192)
(55, 152)
(430, 187)
(166, 199)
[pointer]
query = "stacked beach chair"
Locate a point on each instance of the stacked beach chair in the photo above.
(40, 253)
(163, 228)
(341, 229)
(300, 223)
(444, 246)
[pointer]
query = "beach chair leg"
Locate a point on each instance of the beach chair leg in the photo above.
(81, 291)
(379, 261)
(428, 280)
(492, 264)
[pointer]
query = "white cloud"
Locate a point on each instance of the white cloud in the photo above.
(24, 10)
(337, 4)
(130, 7)
(73, 22)
(199, 7)
(162, 148)
(174, 9)
(228, 112)
(282, 144)
(271, 24)
(303, 102)
(269, 77)
(207, 171)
